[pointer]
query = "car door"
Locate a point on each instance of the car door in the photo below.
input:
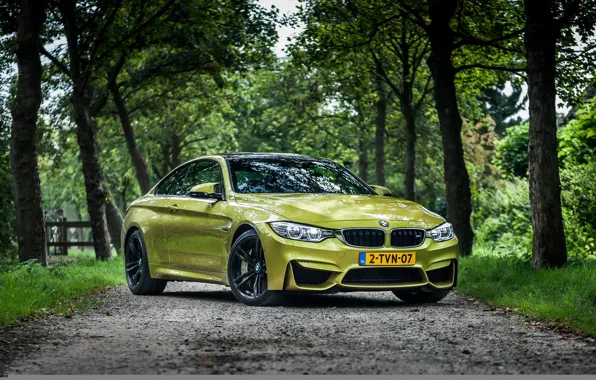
(195, 227)
(171, 186)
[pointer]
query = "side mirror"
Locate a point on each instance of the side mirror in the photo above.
(381, 190)
(210, 190)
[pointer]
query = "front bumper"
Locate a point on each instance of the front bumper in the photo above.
(302, 266)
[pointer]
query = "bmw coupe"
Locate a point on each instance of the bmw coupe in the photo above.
(267, 224)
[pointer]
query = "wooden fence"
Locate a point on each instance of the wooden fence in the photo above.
(62, 234)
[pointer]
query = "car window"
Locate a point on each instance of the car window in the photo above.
(173, 184)
(200, 172)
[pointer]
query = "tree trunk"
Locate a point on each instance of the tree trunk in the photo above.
(380, 123)
(548, 240)
(96, 195)
(457, 180)
(30, 222)
(410, 179)
(114, 219)
(138, 161)
(88, 147)
(175, 151)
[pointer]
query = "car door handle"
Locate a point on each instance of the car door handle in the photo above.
(173, 208)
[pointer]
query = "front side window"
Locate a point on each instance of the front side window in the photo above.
(203, 172)
(292, 175)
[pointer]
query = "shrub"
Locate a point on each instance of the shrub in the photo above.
(512, 152)
(502, 216)
(579, 206)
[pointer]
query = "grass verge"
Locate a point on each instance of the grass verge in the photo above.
(29, 289)
(564, 297)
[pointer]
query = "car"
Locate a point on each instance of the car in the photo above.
(266, 224)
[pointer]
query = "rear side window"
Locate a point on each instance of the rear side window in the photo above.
(182, 180)
(173, 184)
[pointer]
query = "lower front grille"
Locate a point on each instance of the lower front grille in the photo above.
(364, 237)
(444, 274)
(307, 276)
(382, 276)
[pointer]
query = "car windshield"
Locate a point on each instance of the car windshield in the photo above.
(292, 175)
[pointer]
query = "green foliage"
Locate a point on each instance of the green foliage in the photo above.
(577, 140)
(579, 207)
(512, 152)
(480, 141)
(29, 289)
(502, 217)
(7, 222)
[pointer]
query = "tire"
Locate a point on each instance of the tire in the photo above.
(419, 296)
(247, 280)
(136, 266)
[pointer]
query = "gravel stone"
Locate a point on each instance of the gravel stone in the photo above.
(201, 329)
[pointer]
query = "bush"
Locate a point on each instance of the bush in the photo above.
(502, 216)
(579, 207)
(7, 222)
(577, 140)
(512, 152)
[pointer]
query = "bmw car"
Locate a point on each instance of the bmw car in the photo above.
(270, 224)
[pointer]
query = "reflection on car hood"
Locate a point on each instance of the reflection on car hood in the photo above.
(330, 210)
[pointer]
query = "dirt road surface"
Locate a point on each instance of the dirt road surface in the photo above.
(202, 329)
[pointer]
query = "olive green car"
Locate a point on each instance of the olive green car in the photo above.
(265, 224)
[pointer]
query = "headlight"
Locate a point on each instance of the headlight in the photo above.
(300, 232)
(442, 233)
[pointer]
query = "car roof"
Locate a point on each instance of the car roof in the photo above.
(272, 155)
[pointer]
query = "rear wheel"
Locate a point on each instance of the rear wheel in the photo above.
(419, 296)
(247, 272)
(138, 277)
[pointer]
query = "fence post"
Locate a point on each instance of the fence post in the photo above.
(64, 237)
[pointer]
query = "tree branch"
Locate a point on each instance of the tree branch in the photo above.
(515, 70)
(100, 35)
(54, 60)
(470, 40)
(139, 28)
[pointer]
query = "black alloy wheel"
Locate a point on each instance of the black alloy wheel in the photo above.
(136, 264)
(247, 272)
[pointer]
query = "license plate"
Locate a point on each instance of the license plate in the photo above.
(387, 258)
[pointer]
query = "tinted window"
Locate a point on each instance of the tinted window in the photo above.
(181, 181)
(292, 175)
(203, 172)
(172, 185)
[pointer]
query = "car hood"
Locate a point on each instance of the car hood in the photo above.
(334, 210)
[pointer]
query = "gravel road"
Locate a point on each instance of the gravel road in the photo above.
(201, 329)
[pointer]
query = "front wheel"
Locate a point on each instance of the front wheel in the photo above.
(138, 277)
(247, 272)
(419, 296)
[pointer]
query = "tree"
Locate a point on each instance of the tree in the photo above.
(30, 222)
(398, 50)
(474, 36)
(502, 107)
(548, 24)
(231, 35)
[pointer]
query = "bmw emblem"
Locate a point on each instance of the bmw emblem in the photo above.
(383, 223)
